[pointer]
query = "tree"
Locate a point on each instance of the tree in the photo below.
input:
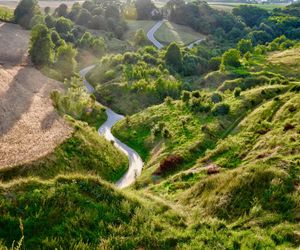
(251, 15)
(50, 21)
(84, 17)
(173, 56)
(41, 46)
(231, 58)
(37, 19)
(144, 9)
(244, 46)
(25, 11)
(47, 10)
(140, 38)
(99, 46)
(61, 10)
(66, 60)
(63, 25)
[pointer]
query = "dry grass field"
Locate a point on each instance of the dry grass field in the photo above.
(29, 126)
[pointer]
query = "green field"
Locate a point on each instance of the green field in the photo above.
(170, 32)
(228, 6)
(134, 25)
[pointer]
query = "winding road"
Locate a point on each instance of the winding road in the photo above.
(135, 161)
(157, 44)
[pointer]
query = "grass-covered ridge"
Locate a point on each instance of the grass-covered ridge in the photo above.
(84, 152)
(76, 212)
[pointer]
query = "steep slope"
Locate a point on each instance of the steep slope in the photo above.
(29, 125)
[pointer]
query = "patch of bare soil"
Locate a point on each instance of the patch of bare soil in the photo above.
(29, 126)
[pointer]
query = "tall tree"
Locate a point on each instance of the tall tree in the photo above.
(66, 62)
(41, 46)
(173, 56)
(25, 11)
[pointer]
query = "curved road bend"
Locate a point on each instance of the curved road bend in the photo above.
(151, 32)
(157, 44)
(135, 161)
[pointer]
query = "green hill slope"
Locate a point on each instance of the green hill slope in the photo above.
(79, 212)
(84, 152)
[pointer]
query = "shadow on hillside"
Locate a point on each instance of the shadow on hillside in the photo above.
(17, 99)
(13, 45)
(48, 121)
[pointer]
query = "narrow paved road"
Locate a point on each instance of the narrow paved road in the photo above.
(151, 37)
(159, 45)
(191, 45)
(135, 161)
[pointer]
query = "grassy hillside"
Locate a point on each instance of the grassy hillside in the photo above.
(76, 212)
(96, 216)
(171, 32)
(132, 81)
(240, 167)
(84, 152)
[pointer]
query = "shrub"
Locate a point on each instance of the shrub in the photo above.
(185, 96)
(140, 38)
(173, 56)
(109, 75)
(221, 109)
(244, 46)
(231, 59)
(168, 164)
(214, 63)
(237, 92)
(254, 81)
(168, 100)
(216, 97)
(25, 11)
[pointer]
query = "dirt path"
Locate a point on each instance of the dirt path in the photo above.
(29, 125)
(135, 161)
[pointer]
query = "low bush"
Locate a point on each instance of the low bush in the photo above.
(221, 109)
(168, 164)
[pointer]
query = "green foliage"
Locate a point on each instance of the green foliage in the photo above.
(41, 46)
(231, 59)
(144, 9)
(6, 14)
(245, 46)
(63, 25)
(140, 38)
(37, 19)
(25, 11)
(214, 63)
(251, 15)
(65, 61)
(237, 92)
(221, 109)
(173, 56)
(93, 207)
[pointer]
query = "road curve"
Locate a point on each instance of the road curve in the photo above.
(151, 32)
(159, 45)
(135, 161)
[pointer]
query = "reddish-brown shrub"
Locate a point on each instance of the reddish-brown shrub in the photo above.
(213, 169)
(168, 164)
